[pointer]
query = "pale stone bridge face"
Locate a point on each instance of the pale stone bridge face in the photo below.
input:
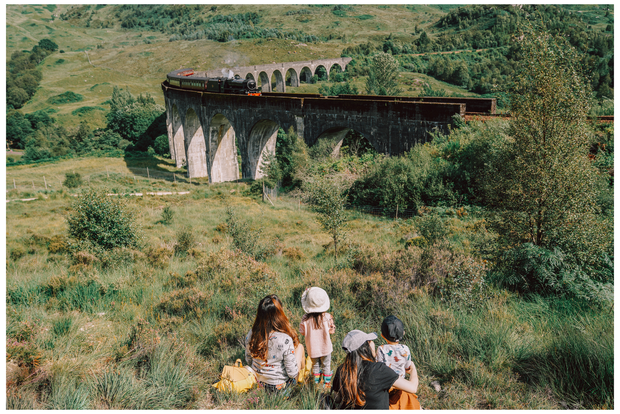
(205, 129)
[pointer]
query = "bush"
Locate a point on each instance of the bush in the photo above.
(167, 215)
(67, 97)
(186, 303)
(409, 182)
(159, 257)
(535, 270)
(244, 237)
(432, 228)
(161, 145)
(72, 180)
(185, 241)
(104, 221)
(464, 284)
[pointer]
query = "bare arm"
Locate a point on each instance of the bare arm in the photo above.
(332, 327)
(410, 385)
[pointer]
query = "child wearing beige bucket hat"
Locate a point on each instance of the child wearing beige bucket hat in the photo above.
(316, 326)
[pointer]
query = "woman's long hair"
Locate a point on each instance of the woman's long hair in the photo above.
(317, 318)
(269, 317)
(351, 371)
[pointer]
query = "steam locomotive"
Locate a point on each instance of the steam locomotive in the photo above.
(186, 79)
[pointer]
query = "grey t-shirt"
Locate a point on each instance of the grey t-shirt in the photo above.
(281, 363)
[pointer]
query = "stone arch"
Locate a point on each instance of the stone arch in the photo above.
(265, 82)
(334, 69)
(279, 82)
(261, 141)
(337, 136)
(250, 76)
(223, 164)
(305, 74)
(178, 140)
(196, 146)
(293, 78)
(317, 70)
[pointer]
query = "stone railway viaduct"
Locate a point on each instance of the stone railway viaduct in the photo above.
(204, 129)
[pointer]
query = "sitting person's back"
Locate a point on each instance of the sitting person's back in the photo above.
(272, 348)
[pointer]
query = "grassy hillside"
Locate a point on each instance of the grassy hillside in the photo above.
(152, 329)
(138, 60)
(104, 45)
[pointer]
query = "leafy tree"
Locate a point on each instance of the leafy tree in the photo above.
(16, 97)
(131, 118)
(39, 119)
(328, 197)
(291, 159)
(382, 76)
(47, 44)
(544, 184)
(161, 145)
(104, 221)
(18, 128)
(46, 142)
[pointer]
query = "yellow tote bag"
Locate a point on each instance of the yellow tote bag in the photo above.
(305, 370)
(236, 378)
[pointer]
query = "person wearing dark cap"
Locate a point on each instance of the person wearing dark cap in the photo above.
(362, 383)
(394, 354)
(398, 357)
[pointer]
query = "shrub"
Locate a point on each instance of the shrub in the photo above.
(24, 353)
(234, 272)
(187, 303)
(104, 221)
(465, 284)
(72, 180)
(167, 215)
(58, 244)
(245, 239)
(185, 240)
(159, 256)
(431, 228)
(67, 97)
(17, 252)
(293, 253)
(161, 145)
(532, 269)
(86, 109)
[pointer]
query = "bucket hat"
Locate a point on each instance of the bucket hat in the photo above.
(314, 300)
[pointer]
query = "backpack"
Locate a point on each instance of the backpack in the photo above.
(236, 378)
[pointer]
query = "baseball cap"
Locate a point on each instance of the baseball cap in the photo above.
(355, 339)
(392, 328)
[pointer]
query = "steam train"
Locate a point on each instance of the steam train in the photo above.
(186, 79)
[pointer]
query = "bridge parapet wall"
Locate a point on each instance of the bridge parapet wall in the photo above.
(477, 105)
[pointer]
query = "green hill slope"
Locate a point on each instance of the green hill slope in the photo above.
(134, 46)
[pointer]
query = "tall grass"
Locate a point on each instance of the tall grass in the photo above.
(136, 336)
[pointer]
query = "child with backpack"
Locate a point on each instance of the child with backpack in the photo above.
(316, 326)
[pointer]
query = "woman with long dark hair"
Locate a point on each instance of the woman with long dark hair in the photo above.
(360, 382)
(272, 347)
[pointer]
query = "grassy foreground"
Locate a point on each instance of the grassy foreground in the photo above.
(152, 329)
